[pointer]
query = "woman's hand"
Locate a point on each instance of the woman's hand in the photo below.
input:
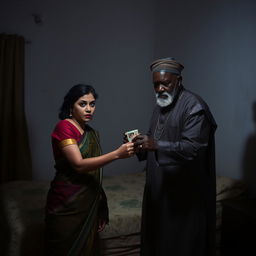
(102, 224)
(125, 150)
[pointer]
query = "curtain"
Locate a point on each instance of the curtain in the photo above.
(15, 157)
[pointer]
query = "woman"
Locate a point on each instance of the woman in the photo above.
(76, 208)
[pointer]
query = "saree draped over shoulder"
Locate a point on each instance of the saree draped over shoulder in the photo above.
(75, 203)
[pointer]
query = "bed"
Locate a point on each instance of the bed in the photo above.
(22, 214)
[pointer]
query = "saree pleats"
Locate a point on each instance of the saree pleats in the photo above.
(74, 204)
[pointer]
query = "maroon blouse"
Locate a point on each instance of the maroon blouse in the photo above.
(64, 133)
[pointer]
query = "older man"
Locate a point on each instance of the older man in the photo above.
(178, 216)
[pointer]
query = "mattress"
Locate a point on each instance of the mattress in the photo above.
(124, 193)
(22, 214)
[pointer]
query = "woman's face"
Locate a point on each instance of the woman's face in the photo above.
(84, 108)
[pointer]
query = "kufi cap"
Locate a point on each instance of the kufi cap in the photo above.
(167, 65)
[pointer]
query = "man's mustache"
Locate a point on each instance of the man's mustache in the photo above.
(159, 94)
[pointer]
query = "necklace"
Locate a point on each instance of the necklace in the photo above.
(161, 125)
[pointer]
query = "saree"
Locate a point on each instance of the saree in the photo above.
(75, 203)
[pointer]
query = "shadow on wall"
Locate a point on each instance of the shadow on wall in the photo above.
(249, 159)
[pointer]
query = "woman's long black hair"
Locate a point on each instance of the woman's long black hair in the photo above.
(72, 96)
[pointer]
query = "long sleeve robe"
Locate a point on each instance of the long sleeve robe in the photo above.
(178, 215)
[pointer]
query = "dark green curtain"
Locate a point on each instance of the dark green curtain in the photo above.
(15, 157)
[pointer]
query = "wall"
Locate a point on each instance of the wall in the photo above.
(108, 44)
(215, 41)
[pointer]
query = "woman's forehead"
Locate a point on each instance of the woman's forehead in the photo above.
(87, 97)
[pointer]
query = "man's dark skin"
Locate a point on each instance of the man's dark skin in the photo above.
(163, 82)
(178, 211)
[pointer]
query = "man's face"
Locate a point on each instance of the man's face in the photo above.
(165, 85)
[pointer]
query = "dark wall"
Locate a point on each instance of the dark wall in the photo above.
(215, 42)
(111, 44)
(108, 44)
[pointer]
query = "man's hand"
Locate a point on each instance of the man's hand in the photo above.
(143, 142)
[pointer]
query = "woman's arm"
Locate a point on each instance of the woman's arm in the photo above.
(73, 155)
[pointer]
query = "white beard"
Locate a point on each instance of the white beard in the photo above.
(164, 102)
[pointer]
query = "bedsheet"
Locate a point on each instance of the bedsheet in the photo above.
(22, 213)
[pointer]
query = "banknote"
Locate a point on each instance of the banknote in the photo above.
(131, 134)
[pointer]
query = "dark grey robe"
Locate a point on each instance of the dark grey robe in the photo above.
(178, 215)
